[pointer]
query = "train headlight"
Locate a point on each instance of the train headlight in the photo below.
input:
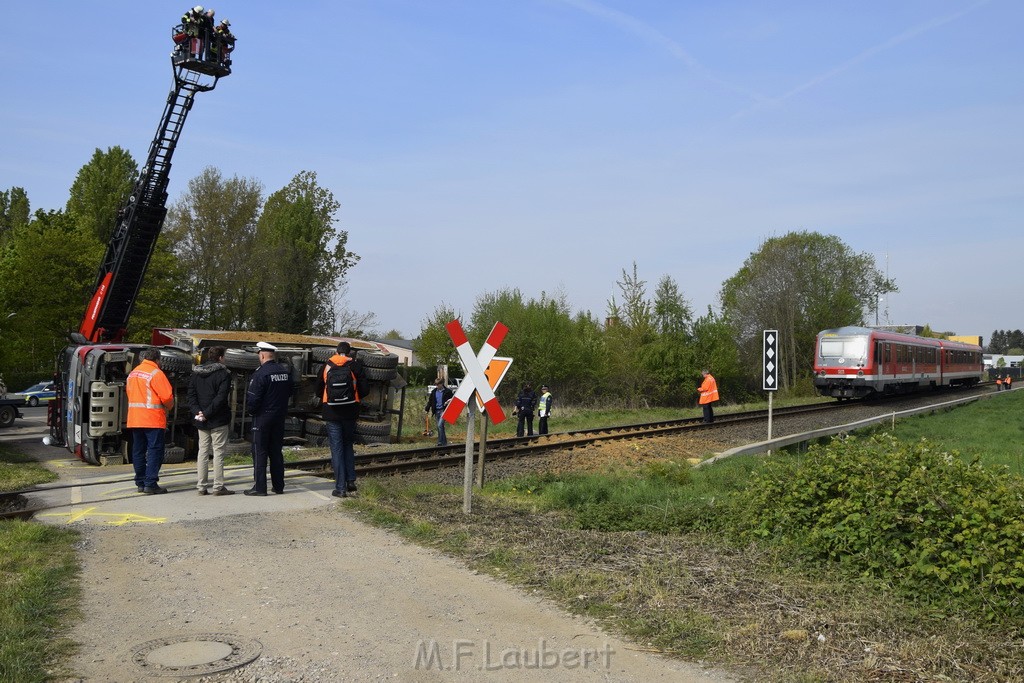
(860, 373)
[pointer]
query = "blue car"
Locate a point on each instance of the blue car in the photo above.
(38, 393)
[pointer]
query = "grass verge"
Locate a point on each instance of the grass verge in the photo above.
(38, 598)
(19, 471)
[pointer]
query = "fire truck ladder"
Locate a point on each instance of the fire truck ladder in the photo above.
(141, 217)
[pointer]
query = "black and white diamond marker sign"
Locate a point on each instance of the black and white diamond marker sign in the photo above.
(771, 360)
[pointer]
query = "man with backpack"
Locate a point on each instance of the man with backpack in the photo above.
(341, 387)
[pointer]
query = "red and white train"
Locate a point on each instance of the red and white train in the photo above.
(855, 362)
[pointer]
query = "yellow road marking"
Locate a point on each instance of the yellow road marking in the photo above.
(118, 518)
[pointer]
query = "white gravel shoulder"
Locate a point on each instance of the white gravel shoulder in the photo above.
(330, 598)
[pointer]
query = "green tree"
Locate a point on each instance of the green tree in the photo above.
(302, 257)
(546, 343)
(100, 189)
(14, 211)
(631, 331)
(669, 358)
(799, 284)
(212, 227)
(159, 303)
(716, 350)
(49, 255)
(434, 347)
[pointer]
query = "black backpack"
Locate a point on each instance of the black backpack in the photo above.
(341, 384)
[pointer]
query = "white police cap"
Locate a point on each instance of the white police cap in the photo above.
(264, 346)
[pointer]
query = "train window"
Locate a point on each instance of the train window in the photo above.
(888, 353)
(844, 348)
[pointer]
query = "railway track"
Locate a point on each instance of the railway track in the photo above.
(421, 458)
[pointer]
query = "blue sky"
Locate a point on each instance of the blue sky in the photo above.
(546, 145)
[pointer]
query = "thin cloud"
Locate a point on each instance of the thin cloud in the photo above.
(654, 37)
(867, 54)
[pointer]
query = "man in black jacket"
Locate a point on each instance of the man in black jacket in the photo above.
(436, 402)
(208, 391)
(526, 402)
(270, 390)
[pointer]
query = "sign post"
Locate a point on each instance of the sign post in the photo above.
(476, 382)
(770, 375)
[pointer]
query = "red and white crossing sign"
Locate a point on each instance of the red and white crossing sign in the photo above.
(476, 378)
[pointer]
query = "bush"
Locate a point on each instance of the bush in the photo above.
(923, 519)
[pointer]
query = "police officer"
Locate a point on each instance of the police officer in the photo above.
(267, 399)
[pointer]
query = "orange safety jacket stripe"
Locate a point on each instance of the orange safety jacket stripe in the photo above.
(708, 390)
(149, 396)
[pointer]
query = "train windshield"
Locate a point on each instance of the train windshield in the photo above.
(837, 347)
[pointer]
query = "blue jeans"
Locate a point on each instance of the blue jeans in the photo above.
(442, 438)
(341, 436)
(147, 455)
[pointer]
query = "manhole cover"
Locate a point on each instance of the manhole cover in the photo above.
(196, 655)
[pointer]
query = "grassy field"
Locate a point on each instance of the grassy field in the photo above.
(670, 556)
(991, 430)
(38, 583)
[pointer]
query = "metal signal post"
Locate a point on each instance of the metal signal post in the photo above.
(770, 376)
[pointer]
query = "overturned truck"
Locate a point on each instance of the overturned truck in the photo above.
(92, 420)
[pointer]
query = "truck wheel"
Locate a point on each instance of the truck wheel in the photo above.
(240, 359)
(322, 353)
(373, 428)
(379, 360)
(175, 360)
(174, 455)
(7, 416)
(379, 374)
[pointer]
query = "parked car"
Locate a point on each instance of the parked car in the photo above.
(39, 393)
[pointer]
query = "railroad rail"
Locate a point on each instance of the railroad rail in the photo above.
(423, 458)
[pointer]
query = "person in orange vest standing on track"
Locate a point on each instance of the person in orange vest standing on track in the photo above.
(708, 394)
(150, 396)
(999, 382)
(1008, 382)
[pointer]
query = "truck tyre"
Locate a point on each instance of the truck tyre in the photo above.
(374, 428)
(379, 360)
(7, 416)
(175, 360)
(380, 374)
(315, 427)
(240, 359)
(174, 455)
(322, 353)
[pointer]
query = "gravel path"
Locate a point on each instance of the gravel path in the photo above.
(329, 599)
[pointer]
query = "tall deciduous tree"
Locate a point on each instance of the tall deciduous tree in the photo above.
(799, 284)
(14, 211)
(434, 347)
(100, 189)
(547, 343)
(213, 229)
(47, 270)
(302, 258)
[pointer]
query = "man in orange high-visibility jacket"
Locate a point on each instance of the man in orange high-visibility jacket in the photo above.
(149, 398)
(708, 394)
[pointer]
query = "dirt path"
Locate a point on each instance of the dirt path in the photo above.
(329, 599)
